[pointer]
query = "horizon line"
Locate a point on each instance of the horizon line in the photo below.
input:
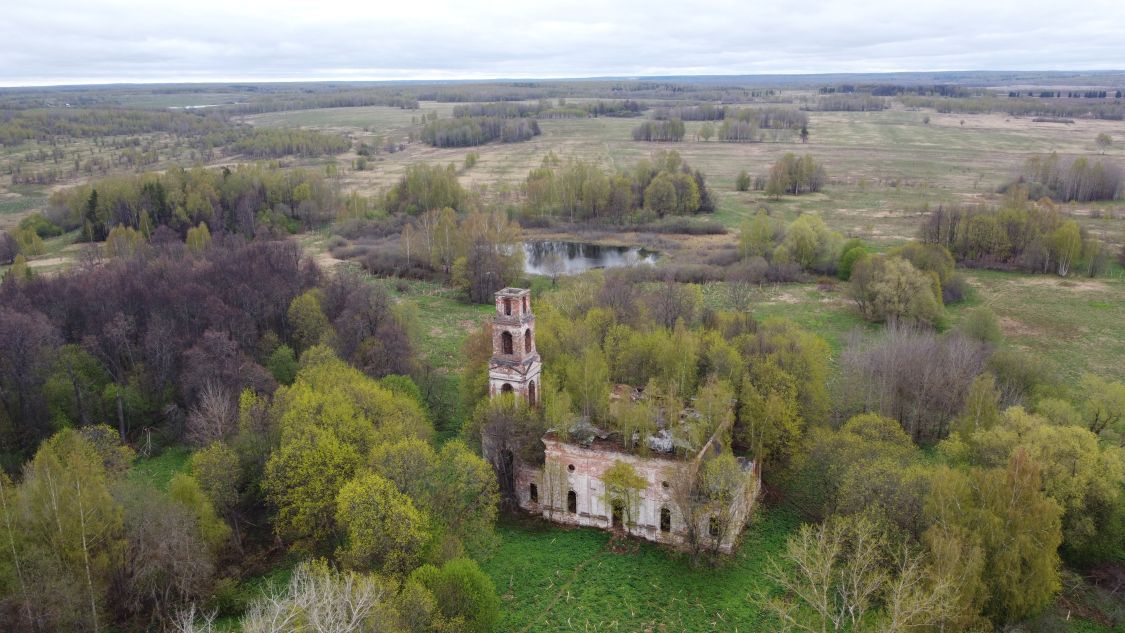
(499, 79)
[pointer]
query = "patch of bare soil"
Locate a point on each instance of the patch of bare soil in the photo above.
(46, 262)
(1015, 327)
(1076, 285)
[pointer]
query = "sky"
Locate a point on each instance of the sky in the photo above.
(48, 42)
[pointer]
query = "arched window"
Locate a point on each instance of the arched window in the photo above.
(531, 393)
(527, 341)
(617, 516)
(525, 310)
(572, 502)
(533, 493)
(507, 307)
(506, 343)
(506, 388)
(665, 520)
(713, 527)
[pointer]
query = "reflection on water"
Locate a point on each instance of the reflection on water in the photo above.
(571, 258)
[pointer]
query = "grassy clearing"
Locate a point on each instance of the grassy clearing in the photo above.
(829, 313)
(160, 469)
(553, 579)
(440, 325)
(1073, 324)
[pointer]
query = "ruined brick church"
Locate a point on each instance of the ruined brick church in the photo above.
(568, 488)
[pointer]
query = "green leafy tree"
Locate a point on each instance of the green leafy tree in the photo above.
(282, 364)
(186, 490)
(660, 195)
(218, 472)
(1103, 406)
(198, 238)
(982, 406)
(74, 387)
(758, 235)
(981, 324)
(302, 479)
(811, 244)
(623, 487)
(891, 288)
(308, 325)
(769, 419)
(1103, 141)
(1017, 527)
(73, 531)
(383, 527)
(465, 595)
(742, 182)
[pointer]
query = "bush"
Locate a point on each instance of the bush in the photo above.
(848, 259)
(981, 324)
(742, 183)
(890, 288)
(463, 592)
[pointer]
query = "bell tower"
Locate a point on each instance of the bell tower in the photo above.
(515, 363)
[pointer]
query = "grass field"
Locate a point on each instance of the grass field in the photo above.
(883, 166)
(553, 579)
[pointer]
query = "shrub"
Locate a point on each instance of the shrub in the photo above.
(463, 592)
(742, 183)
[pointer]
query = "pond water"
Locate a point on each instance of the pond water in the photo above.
(571, 258)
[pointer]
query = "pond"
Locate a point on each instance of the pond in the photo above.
(571, 258)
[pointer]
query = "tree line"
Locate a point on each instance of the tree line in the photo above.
(849, 103)
(671, 130)
(332, 98)
(1074, 179)
(258, 143)
(1018, 234)
(50, 125)
(242, 200)
(664, 185)
(479, 253)
(472, 131)
(544, 108)
(1022, 106)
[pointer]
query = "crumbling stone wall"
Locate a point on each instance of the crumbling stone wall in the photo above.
(573, 468)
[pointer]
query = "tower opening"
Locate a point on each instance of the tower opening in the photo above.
(507, 388)
(665, 520)
(533, 493)
(572, 502)
(506, 343)
(527, 341)
(531, 393)
(507, 307)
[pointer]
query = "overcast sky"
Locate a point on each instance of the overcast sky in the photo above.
(98, 41)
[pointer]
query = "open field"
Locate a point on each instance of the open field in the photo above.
(883, 166)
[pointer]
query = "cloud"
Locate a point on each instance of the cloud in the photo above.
(71, 41)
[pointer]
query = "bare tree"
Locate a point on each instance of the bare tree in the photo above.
(845, 575)
(214, 416)
(911, 375)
